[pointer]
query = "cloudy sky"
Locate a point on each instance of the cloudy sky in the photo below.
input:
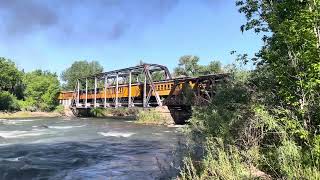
(51, 34)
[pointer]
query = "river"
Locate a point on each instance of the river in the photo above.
(87, 148)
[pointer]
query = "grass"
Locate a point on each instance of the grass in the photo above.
(112, 112)
(143, 116)
(27, 114)
(219, 162)
(152, 116)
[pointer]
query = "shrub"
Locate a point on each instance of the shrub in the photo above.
(28, 105)
(8, 102)
(220, 162)
(59, 109)
(255, 133)
(150, 117)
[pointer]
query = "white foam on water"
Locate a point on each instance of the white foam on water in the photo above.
(115, 134)
(5, 144)
(158, 134)
(65, 127)
(11, 159)
(19, 134)
(25, 120)
(13, 122)
(8, 122)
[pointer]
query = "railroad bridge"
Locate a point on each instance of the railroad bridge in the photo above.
(146, 85)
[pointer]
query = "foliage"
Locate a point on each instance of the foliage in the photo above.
(41, 90)
(118, 112)
(77, 70)
(10, 76)
(220, 162)
(157, 76)
(188, 66)
(59, 109)
(270, 138)
(291, 52)
(8, 101)
(151, 116)
(28, 104)
(97, 112)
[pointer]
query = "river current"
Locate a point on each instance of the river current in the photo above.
(86, 148)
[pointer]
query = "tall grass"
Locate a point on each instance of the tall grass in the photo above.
(151, 116)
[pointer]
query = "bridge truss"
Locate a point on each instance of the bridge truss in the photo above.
(141, 74)
(107, 89)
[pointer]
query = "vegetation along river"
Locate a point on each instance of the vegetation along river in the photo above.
(57, 148)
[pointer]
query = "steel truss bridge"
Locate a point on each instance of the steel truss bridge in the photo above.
(146, 85)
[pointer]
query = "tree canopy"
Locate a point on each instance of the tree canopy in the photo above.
(189, 66)
(10, 76)
(291, 51)
(77, 70)
(41, 90)
(269, 118)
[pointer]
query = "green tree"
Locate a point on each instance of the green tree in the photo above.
(212, 68)
(189, 66)
(273, 116)
(41, 90)
(287, 80)
(8, 102)
(10, 76)
(291, 51)
(77, 70)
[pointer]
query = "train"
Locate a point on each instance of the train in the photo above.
(171, 93)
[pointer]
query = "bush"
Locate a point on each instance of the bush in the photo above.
(220, 162)
(59, 109)
(255, 133)
(151, 116)
(28, 105)
(8, 102)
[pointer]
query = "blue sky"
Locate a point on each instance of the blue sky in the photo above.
(118, 35)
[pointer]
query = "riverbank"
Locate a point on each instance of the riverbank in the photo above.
(28, 114)
(147, 116)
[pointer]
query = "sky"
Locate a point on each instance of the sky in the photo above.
(52, 34)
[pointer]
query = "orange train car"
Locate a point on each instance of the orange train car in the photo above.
(163, 88)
